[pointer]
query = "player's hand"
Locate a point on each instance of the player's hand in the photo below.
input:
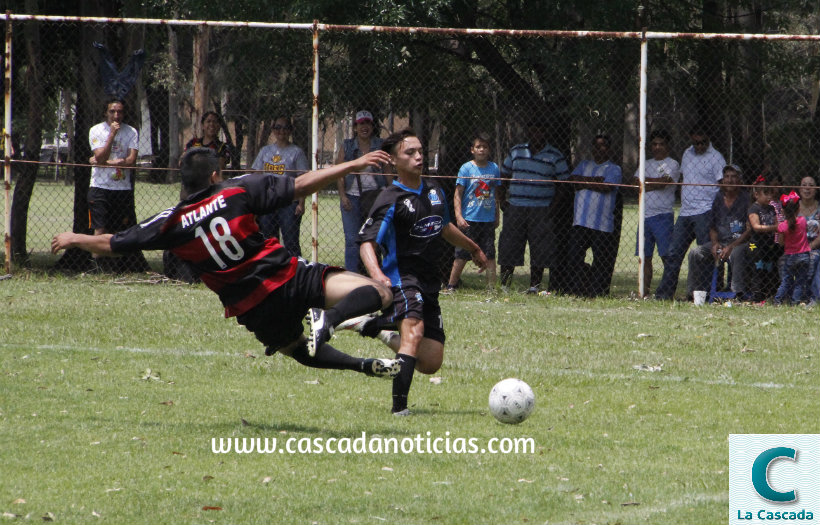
(299, 210)
(346, 205)
(374, 159)
(462, 224)
(61, 241)
(480, 259)
(385, 280)
(115, 128)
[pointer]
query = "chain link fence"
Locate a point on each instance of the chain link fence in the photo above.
(747, 102)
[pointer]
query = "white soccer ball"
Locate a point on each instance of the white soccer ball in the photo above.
(511, 401)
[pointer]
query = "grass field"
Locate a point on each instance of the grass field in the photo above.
(112, 392)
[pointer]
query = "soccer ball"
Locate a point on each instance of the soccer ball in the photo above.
(511, 401)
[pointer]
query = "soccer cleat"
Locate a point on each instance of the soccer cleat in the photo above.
(403, 413)
(532, 290)
(388, 368)
(356, 324)
(320, 330)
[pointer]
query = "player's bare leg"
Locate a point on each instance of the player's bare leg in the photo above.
(347, 295)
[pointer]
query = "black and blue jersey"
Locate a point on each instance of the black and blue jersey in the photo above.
(406, 223)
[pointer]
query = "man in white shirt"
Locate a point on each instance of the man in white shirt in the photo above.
(701, 168)
(111, 192)
(662, 172)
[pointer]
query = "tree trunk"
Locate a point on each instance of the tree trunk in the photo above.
(89, 111)
(173, 142)
(200, 78)
(34, 138)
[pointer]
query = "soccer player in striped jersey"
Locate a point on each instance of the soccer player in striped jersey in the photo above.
(268, 291)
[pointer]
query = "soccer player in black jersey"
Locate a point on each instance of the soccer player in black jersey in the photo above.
(405, 223)
(214, 229)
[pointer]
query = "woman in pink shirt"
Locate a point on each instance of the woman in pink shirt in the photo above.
(795, 275)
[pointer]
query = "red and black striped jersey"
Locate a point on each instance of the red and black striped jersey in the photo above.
(215, 231)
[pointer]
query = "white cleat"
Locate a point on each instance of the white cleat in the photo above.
(320, 331)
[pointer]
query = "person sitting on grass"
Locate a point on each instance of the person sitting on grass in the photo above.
(268, 291)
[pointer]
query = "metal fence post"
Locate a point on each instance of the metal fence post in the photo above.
(642, 166)
(7, 141)
(314, 199)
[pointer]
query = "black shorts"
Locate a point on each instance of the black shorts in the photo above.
(277, 321)
(410, 302)
(522, 225)
(111, 210)
(483, 234)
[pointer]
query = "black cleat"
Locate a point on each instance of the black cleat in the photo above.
(388, 368)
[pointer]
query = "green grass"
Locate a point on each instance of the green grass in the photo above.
(85, 429)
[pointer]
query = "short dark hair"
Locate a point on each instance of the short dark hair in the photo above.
(196, 167)
(602, 136)
(390, 143)
(284, 116)
(112, 100)
(208, 114)
(660, 134)
(483, 136)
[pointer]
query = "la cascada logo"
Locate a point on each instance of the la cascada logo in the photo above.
(774, 478)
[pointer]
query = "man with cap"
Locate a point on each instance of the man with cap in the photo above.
(728, 233)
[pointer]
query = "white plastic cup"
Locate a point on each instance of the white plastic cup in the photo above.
(700, 297)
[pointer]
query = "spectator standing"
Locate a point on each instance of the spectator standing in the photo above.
(660, 173)
(810, 209)
(111, 208)
(795, 274)
(701, 169)
(358, 191)
(283, 158)
(532, 168)
(728, 234)
(594, 221)
(474, 206)
(210, 138)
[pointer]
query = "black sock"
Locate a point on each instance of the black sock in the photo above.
(401, 383)
(506, 274)
(362, 300)
(536, 275)
(327, 357)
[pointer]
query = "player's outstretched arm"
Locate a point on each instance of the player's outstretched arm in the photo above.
(96, 244)
(313, 181)
(455, 237)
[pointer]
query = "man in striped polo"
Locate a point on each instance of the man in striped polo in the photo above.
(593, 224)
(532, 168)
